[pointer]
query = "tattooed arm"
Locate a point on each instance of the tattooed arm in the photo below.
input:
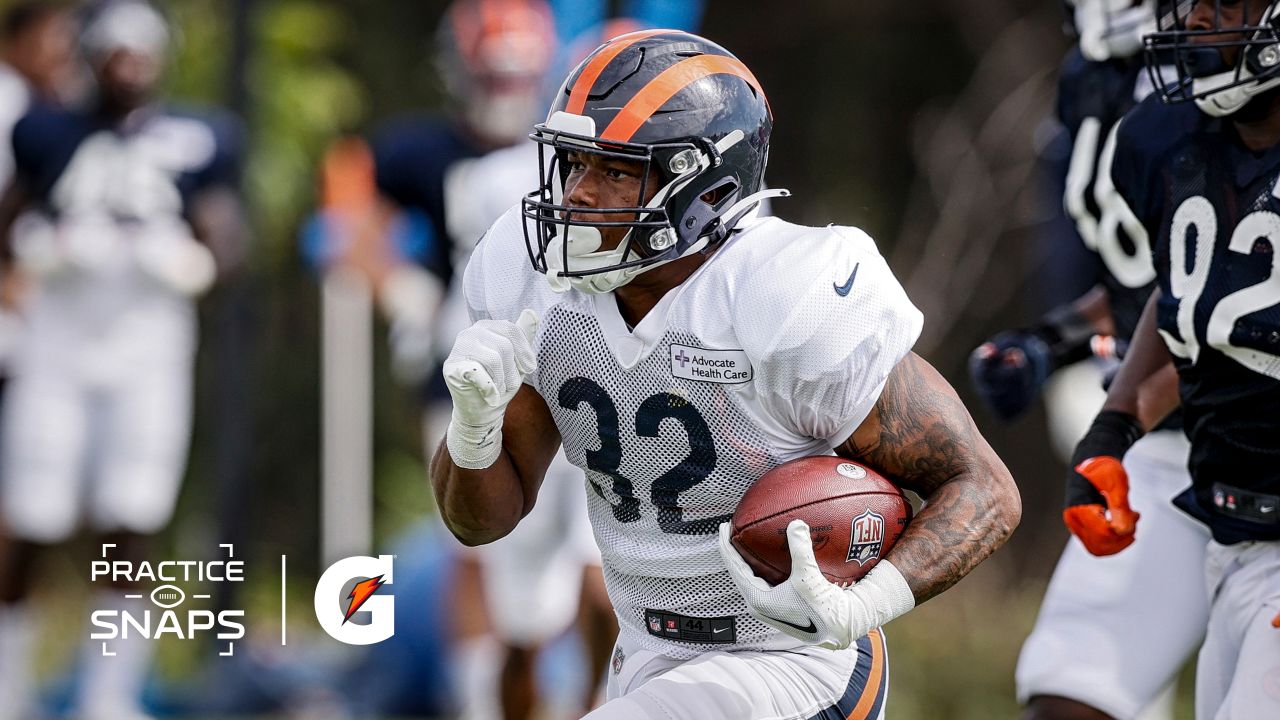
(920, 434)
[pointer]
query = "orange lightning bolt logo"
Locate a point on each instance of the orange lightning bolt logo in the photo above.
(360, 593)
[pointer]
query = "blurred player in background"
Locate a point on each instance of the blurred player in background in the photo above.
(1143, 612)
(642, 237)
(131, 210)
(37, 63)
(511, 598)
(1197, 186)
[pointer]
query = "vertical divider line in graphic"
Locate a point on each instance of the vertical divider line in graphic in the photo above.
(284, 617)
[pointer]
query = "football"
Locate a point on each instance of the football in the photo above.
(855, 516)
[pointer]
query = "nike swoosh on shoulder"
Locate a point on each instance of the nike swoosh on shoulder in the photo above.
(843, 290)
(810, 629)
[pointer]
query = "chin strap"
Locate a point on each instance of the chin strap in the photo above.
(1221, 103)
(738, 212)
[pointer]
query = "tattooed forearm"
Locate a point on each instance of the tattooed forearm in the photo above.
(920, 434)
(959, 527)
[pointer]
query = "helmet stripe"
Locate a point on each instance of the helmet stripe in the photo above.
(591, 73)
(669, 82)
(490, 17)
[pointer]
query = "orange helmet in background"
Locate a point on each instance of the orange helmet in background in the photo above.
(493, 56)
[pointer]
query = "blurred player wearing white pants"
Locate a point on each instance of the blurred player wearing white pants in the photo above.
(1144, 611)
(1097, 632)
(98, 416)
(1188, 185)
(130, 211)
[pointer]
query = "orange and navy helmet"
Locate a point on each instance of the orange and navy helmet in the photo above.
(683, 106)
(493, 56)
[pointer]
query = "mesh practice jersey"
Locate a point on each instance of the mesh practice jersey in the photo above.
(776, 348)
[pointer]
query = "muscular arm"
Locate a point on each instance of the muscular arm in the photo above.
(480, 506)
(920, 434)
(1147, 384)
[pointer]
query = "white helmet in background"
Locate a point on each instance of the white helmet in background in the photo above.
(132, 25)
(1112, 29)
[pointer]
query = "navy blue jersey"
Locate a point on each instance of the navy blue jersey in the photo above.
(77, 163)
(1092, 97)
(1211, 211)
(411, 157)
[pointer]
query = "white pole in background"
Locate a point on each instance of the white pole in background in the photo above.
(346, 526)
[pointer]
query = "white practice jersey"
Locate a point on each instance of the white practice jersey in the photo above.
(775, 349)
(477, 191)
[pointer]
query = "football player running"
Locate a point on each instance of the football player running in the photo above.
(1197, 184)
(1144, 611)
(133, 211)
(681, 347)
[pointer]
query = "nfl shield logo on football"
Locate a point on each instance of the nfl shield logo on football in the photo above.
(866, 537)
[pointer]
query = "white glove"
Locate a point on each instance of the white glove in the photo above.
(484, 371)
(810, 608)
(176, 260)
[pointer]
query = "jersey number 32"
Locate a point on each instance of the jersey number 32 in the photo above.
(666, 489)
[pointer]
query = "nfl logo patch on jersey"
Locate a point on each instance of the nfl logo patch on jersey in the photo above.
(866, 537)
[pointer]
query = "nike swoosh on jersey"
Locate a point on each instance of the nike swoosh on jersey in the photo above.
(843, 290)
(810, 629)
